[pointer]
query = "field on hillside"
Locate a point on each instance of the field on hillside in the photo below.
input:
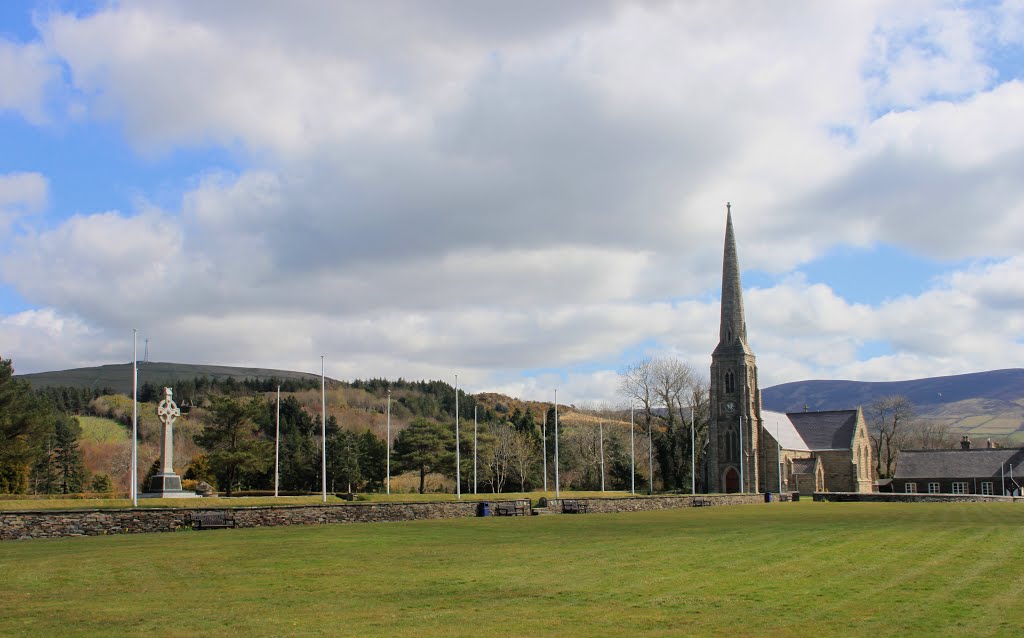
(791, 569)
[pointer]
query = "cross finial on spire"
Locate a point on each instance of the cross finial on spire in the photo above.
(728, 207)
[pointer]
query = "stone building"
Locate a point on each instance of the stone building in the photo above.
(754, 450)
(988, 471)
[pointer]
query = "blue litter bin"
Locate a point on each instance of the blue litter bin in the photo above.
(485, 508)
(767, 497)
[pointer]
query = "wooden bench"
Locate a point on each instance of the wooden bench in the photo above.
(216, 519)
(574, 507)
(700, 502)
(513, 508)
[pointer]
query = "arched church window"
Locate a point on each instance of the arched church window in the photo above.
(730, 381)
(730, 444)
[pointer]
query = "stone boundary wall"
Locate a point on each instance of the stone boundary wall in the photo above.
(99, 522)
(888, 497)
(648, 503)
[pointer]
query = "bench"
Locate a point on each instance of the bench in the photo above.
(216, 519)
(700, 502)
(574, 507)
(513, 508)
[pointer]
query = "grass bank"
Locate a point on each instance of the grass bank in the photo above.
(793, 569)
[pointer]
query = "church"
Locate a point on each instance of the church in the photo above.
(755, 450)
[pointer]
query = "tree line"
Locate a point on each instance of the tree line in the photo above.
(39, 440)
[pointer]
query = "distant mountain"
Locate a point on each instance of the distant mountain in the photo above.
(118, 376)
(981, 404)
(998, 385)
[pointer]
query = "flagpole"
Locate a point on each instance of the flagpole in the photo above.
(544, 442)
(474, 449)
(458, 473)
(556, 442)
(650, 456)
(389, 443)
(134, 487)
(632, 454)
(778, 448)
(323, 429)
(277, 444)
(693, 451)
(600, 437)
(743, 486)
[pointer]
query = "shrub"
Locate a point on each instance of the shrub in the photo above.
(101, 483)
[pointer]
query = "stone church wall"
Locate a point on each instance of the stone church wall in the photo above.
(840, 472)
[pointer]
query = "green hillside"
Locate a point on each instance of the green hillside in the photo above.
(97, 429)
(118, 376)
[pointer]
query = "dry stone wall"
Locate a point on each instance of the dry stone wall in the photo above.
(648, 503)
(53, 524)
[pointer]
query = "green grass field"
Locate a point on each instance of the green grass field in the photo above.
(791, 569)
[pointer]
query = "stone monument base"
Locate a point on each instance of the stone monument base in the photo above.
(166, 486)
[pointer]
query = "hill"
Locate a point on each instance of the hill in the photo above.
(118, 376)
(981, 404)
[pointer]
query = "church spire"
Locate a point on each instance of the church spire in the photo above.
(733, 328)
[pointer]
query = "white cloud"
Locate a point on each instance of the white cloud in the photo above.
(927, 54)
(426, 189)
(38, 340)
(26, 72)
(21, 194)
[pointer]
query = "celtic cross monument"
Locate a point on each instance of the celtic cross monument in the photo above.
(167, 484)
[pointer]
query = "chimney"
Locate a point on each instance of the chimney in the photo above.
(965, 443)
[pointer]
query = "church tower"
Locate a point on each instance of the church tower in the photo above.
(735, 426)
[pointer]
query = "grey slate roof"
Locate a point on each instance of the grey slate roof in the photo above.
(831, 430)
(982, 462)
(778, 425)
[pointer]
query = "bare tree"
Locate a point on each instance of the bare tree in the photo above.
(890, 419)
(583, 453)
(524, 457)
(930, 435)
(637, 385)
(674, 381)
(498, 457)
(699, 416)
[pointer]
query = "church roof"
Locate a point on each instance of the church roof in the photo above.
(779, 426)
(977, 463)
(829, 430)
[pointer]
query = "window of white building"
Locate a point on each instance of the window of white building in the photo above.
(910, 488)
(960, 487)
(933, 488)
(986, 488)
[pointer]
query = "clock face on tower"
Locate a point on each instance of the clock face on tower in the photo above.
(730, 406)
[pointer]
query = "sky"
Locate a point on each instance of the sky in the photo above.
(527, 195)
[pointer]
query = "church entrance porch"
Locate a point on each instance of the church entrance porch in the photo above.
(732, 481)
